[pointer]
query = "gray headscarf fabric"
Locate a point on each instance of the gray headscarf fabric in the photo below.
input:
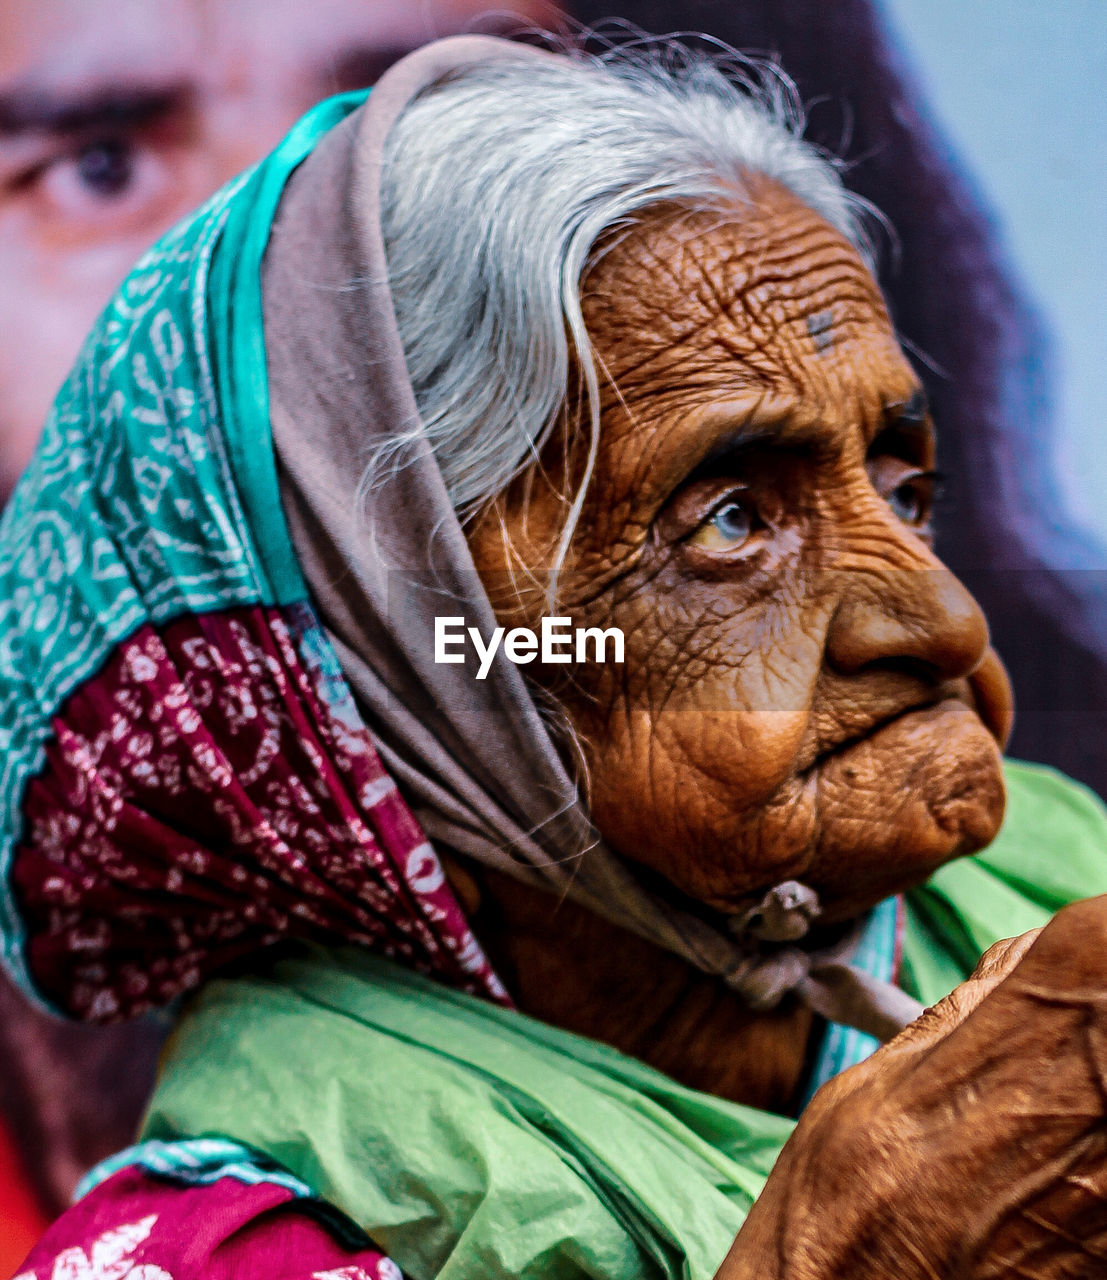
(474, 758)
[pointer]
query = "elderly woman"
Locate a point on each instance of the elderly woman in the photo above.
(522, 973)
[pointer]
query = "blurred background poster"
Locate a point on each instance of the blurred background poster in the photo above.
(1016, 88)
(974, 125)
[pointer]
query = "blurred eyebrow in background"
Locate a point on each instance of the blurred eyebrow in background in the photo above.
(40, 110)
(105, 99)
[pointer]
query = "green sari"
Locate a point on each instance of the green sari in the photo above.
(471, 1141)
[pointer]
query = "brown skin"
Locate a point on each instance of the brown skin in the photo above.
(814, 697)
(807, 693)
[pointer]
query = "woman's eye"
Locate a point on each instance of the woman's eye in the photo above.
(907, 503)
(912, 500)
(909, 491)
(727, 528)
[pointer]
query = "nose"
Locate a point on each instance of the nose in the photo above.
(920, 619)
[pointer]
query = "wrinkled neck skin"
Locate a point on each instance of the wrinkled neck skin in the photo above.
(566, 966)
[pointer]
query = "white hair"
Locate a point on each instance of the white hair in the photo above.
(498, 184)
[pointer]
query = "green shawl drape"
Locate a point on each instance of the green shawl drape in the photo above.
(472, 1141)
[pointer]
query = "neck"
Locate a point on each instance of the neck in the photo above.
(568, 967)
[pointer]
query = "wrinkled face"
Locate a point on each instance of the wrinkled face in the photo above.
(117, 117)
(807, 692)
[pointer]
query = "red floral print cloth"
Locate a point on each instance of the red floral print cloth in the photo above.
(209, 792)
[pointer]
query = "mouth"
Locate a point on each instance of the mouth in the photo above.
(896, 803)
(875, 727)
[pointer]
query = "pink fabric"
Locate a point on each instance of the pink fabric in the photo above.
(211, 791)
(138, 1227)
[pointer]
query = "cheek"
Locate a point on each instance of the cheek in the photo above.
(708, 799)
(693, 745)
(693, 772)
(738, 758)
(50, 310)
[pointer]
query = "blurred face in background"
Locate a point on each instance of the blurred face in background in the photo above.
(119, 116)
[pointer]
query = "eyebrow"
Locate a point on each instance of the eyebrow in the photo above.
(735, 428)
(744, 437)
(37, 110)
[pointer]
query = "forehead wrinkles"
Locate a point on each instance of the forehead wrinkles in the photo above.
(769, 314)
(773, 284)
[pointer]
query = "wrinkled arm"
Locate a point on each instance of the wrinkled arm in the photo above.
(973, 1145)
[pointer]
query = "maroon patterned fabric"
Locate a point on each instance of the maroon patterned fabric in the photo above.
(210, 792)
(138, 1227)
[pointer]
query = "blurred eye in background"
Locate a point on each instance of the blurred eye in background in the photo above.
(108, 185)
(105, 169)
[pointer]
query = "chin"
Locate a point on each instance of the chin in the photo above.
(901, 803)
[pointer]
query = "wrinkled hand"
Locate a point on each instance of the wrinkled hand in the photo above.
(972, 1146)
